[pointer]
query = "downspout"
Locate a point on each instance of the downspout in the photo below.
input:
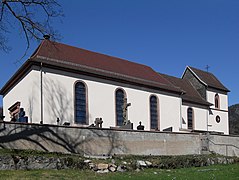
(41, 94)
(208, 111)
(181, 103)
(207, 117)
(208, 135)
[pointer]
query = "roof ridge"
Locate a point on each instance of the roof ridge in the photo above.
(201, 70)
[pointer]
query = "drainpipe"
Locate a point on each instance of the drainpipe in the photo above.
(208, 111)
(41, 94)
(207, 136)
(207, 117)
(181, 103)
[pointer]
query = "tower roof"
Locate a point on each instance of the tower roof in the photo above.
(208, 79)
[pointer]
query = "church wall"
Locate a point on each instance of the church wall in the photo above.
(101, 102)
(27, 92)
(222, 112)
(221, 126)
(169, 112)
(58, 100)
(223, 99)
(199, 116)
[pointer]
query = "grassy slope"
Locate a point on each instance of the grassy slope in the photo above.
(210, 172)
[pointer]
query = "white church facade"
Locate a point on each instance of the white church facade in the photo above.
(61, 84)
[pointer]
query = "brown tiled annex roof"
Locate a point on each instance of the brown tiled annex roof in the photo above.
(209, 79)
(190, 93)
(73, 57)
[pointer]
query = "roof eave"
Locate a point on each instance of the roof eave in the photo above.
(36, 60)
(207, 104)
(226, 90)
(72, 66)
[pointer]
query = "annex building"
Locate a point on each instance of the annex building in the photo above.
(65, 85)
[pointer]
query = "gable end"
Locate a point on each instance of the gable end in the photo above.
(196, 82)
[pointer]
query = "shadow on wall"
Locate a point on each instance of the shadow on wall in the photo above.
(58, 104)
(88, 141)
(31, 101)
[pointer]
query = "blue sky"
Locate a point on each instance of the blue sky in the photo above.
(166, 35)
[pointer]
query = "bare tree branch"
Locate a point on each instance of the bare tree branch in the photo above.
(33, 16)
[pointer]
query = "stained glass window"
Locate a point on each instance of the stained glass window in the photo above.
(190, 118)
(153, 112)
(80, 103)
(119, 96)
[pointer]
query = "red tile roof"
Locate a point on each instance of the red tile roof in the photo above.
(209, 79)
(190, 93)
(108, 65)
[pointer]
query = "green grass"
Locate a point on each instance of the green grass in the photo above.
(223, 172)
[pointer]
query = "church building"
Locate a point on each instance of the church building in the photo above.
(64, 85)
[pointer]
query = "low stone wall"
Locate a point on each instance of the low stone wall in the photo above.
(33, 162)
(16, 161)
(224, 145)
(95, 142)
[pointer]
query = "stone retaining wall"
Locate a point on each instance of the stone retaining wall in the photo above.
(98, 142)
(225, 145)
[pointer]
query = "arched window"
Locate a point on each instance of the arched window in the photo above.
(154, 112)
(217, 101)
(119, 99)
(190, 118)
(80, 103)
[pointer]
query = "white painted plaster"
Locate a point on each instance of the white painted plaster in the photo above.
(58, 102)
(222, 112)
(199, 115)
(223, 100)
(27, 91)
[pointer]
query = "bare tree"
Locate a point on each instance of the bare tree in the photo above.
(33, 17)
